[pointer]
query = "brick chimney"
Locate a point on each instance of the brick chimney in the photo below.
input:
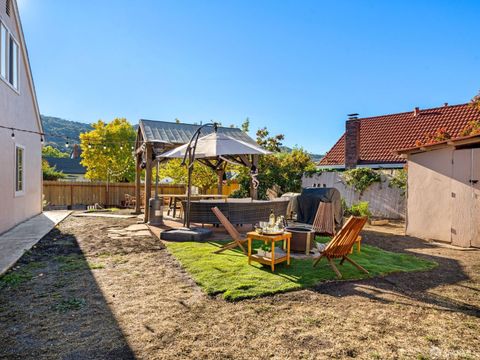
(75, 152)
(352, 141)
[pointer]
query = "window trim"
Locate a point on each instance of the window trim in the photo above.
(21, 192)
(7, 59)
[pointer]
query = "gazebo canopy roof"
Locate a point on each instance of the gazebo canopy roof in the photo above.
(180, 133)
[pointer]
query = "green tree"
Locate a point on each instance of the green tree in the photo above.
(271, 143)
(203, 176)
(107, 151)
(282, 169)
(50, 151)
(50, 172)
(246, 125)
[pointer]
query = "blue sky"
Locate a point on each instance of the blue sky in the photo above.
(297, 67)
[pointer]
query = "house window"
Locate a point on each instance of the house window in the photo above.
(19, 170)
(8, 57)
(8, 7)
(3, 51)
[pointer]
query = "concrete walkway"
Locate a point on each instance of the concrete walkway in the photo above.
(22, 237)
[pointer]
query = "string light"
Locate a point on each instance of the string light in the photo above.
(122, 144)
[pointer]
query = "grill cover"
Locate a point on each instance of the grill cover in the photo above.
(309, 200)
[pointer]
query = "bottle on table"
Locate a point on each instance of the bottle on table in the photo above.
(271, 220)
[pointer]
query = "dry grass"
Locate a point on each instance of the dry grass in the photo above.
(141, 303)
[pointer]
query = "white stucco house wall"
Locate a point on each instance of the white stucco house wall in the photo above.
(20, 125)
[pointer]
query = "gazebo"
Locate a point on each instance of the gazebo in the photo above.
(156, 137)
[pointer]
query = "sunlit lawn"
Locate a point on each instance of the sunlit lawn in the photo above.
(229, 274)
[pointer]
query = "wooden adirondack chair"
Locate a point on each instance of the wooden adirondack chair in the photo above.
(341, 244)
(238, 240)
(324, 223)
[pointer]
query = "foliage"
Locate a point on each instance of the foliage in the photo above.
(232, 277)
(50, 172)
(475, 102)
(107, 152)
(361, 178)
(246, 125)
(399, 180)
(472, 128)
(359, 209)
(203, 176)
(50, 151)
(282, 169)
(437, 136)
(58, 130)
(271, 143)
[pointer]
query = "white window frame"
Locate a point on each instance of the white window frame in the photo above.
(19, 192)
(6, 59)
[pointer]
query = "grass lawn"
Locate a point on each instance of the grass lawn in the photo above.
(229, 274)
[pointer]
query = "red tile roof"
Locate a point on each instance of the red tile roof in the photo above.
(380, 136)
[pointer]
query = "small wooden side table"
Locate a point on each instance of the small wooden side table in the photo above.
(285, 238)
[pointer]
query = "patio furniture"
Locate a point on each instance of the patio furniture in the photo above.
(341, 244)
(324, 222)
(238, 240)
(238, 212)
(130, 201)
(272, 261)
(302, 239)
(175, 201)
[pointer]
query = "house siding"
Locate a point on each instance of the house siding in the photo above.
(18, 110)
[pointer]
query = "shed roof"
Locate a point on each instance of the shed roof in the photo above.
(380, 136)
(180, 133)
(67, 165)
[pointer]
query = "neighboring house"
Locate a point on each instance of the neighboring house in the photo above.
(371, 141)
(444, 191)
(21, 128)
(72, 168)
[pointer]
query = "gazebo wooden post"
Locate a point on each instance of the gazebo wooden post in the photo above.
(220, 173)
(148, 178)
(138, 173)
(253, 190)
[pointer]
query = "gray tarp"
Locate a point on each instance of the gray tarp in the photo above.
(309, 200)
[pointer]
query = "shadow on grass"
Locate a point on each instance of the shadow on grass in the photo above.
(409, 285)
(52, 307)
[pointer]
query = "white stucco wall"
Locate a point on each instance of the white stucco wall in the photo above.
(18, 110)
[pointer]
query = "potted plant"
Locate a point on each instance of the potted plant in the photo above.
(264, 250)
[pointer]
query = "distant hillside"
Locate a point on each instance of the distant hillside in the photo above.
(315, 157)
(57, 130)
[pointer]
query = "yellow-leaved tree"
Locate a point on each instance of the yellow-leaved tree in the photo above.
(107, 151)
(203, 177)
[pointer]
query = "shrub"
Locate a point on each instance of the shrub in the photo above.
(359, 209)
(361, 178)
(399, 180)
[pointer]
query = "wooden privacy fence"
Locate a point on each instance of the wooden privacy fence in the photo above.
(226, 189)
(74, 193)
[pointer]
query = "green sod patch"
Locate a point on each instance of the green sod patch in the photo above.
(229, 274)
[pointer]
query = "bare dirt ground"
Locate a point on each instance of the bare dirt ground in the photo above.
(89, 295)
